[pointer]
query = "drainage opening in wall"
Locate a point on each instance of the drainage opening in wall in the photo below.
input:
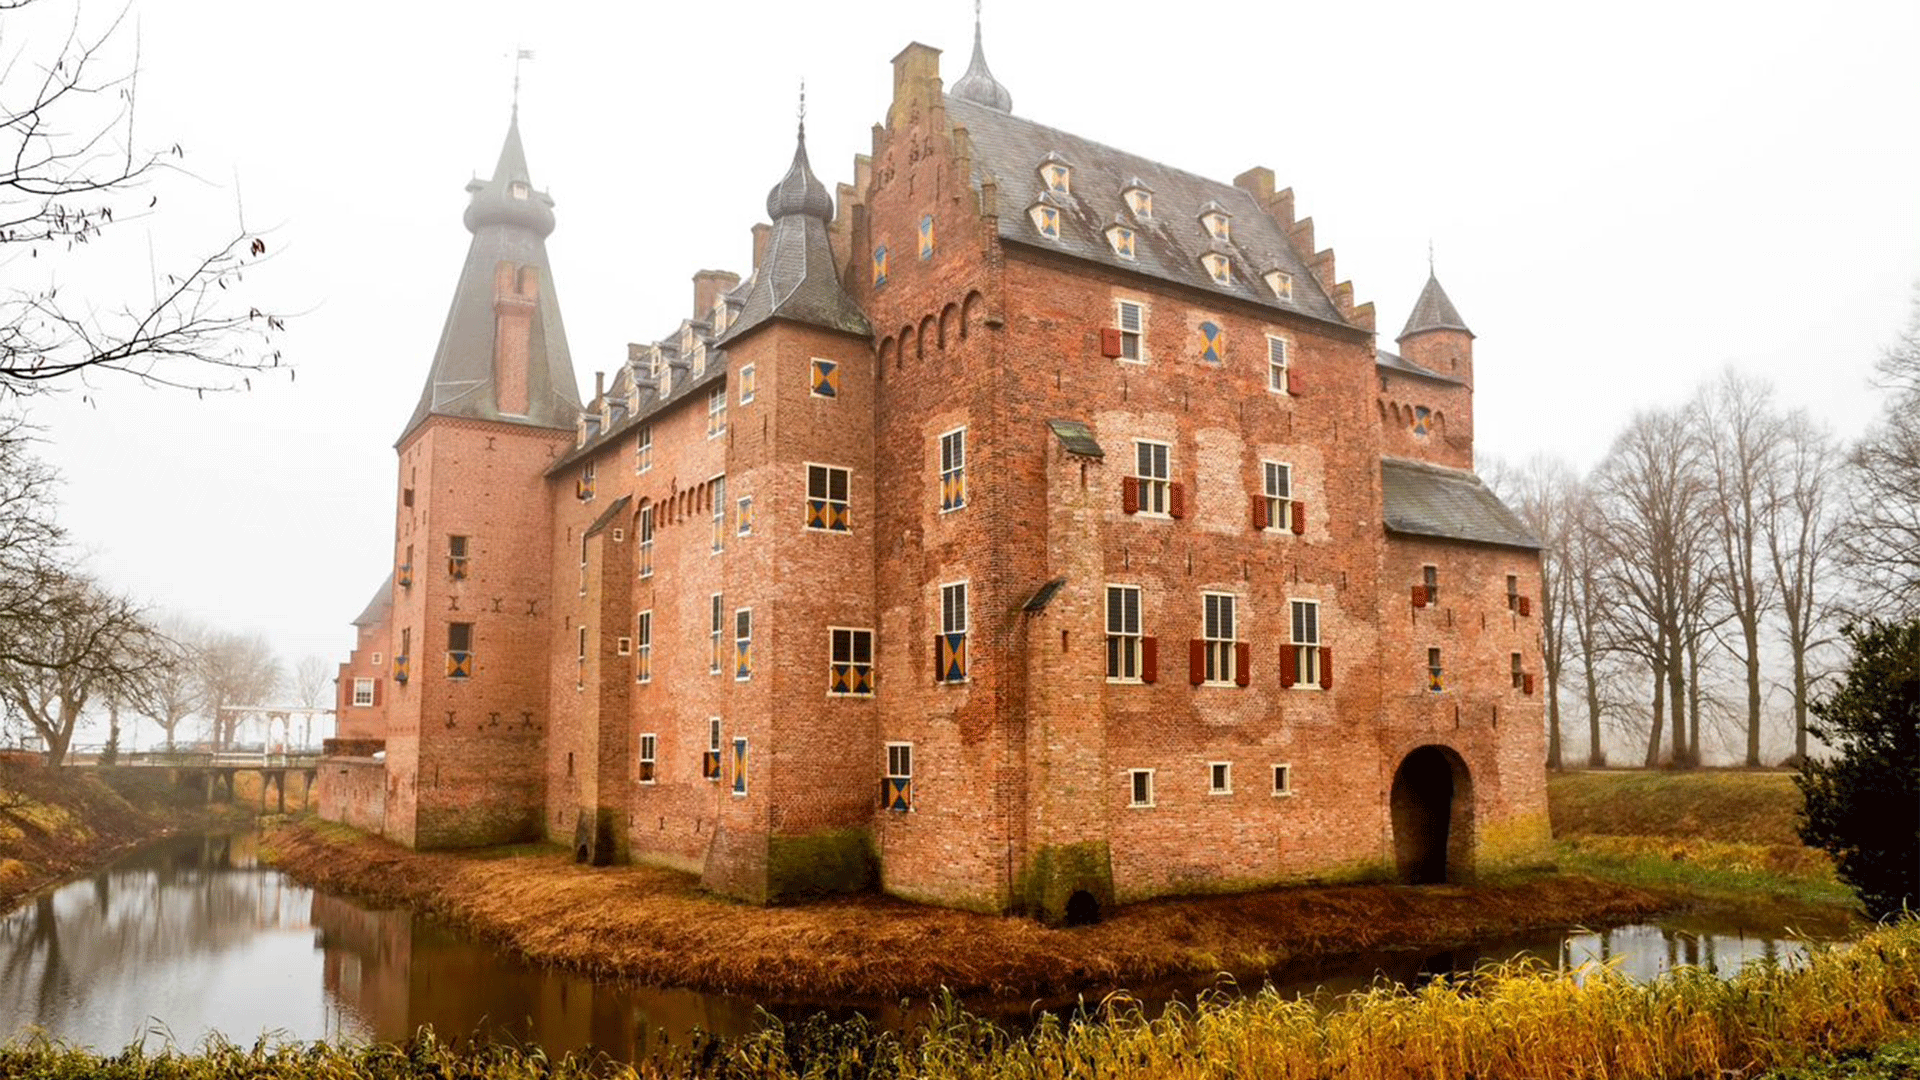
(1082, 909)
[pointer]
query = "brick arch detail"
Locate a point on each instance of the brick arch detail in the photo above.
(970, 311)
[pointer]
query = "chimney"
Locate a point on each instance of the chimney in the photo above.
(916, 81)
(762, 236)
(599, 388)
(707, 287)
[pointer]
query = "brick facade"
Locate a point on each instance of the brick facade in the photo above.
(574, 727)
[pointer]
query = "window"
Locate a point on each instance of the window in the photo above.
(719, 497)
(457, 558)
(1283, 779)
(827, 498)
(1057, 174)
(824, 379)
(583, 487)
(1430, 580)
(953, 470)
(1131, 320)
(1217, 222)
(710, 760)
(1046, 220)
(720, 314)
(1276, 490)
(746, 385)
(739, 764)
(404, 573)
(1513, 592)
(1219, 777)
(1121, 238)
(1306, 642)
(518, 189)
(643, 448)
(743, 644)
(649, 746)
(1276, 364)
(1219, 267)
(951, 648)
(713, 636)
(1281, 283)
(580, 668)
(376, 659)
(459, 650)
(1217, 632)
(363, 693)
(1213, 342)
(880, 266)
(1140, 201)
(1434, 681)
(896, 793)
(646, 541)
(700, 361)
(1123, 633)
(743, 516)
(1142, 787)
(926, 236)
(716, 411)
(1519, 676)
(583, 564)
(850, 668)
(1152, 475)
(643, 647)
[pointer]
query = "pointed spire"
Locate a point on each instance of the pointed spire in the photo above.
(800, 192)
(509, 198)
(978, 85)
(1434, 310)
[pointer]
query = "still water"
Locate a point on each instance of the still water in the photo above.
(193, 936)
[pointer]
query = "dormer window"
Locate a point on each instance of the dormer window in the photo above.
(654, 362)
(1281, 283)
(518, 190)
(1121, 238)
(1219, 267)
(1139, 199)
(580, 431)
(1046, 221)
(1056, 174)
(699, 360)
(719, 315)
(1216, 221)
(686, 340)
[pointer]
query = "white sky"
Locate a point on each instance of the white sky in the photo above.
(1624, 198)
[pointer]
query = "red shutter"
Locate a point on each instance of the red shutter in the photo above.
(1259, 513)
(1293, 382)
(1109, 341)
(939, 672)
(1526, 606)
(376, 690)
(1177, 500)
(1130, 495)
(1242, 663)
(1299, 518)
(1526, 684)
(1149, 659)
(1197, 661)
(1419, 596)
(1326, 667)
(1289, 666)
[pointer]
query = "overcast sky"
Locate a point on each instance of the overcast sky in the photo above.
(1623, 199)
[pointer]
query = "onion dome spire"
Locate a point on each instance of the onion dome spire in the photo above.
(800, 192)
(978, 85)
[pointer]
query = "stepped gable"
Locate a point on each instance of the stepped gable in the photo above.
(1453, 504)
(510, 222)
(1433, 311)
(1392, 361)
(1008, 151)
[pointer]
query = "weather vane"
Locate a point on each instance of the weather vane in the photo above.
(518, 55)
(803, 108)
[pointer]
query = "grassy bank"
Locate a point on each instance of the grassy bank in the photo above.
(55, 823)
(1843, 1014)
(1714, 836)
(657, 925)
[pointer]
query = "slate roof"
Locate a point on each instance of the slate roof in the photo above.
(1397, 363)
(1433, 311)
(609, 515)
(460, 382)
(796, 279)
(379, 607)
(1428, 500)
(1044, 595)
(1076, 438)
(1008, 150)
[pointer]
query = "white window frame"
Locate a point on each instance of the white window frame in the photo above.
(833, 646)
(377, 659)
(1281, 283)
(1282, 779)
(715, 634)
(742, 617)
(583, 564)
(588, 480)
(580, 673)
(716, 412)
(742, 753)
(746, 384)
(1430, 581)
(1436, 670)
(1124, 649)
(1133, 789)
(1140, 201)
(645, 547)
(963, 626)
(1122, 240)
(717, 495)
(643, 449)
(623, 646)
(1279, 363)
(1306, 653)
(643, 646)
(1156, 492)
(648, 754)
(1217, 770)
(1136, 337)
(1279, 506)
(1222, 661)
(743, 516)
(363, 693)
(846, 504)
(949, 468)
(894, 763)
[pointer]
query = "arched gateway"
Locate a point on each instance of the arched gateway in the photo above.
(1432, 806)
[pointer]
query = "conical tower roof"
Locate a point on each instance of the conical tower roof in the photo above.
(796, 279)
(510, 222)
(1433, 311)
(978, 85)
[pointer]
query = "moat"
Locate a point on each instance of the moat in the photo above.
(193, 936)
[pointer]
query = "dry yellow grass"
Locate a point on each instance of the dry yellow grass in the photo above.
(657, 926)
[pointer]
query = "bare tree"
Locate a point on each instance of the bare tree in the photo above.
(1584, 604)
(1881, 546)
(312, 680)
(75, 178)
(1740, 440)
(234, 669)
(1802, 543)
(1546, 495)
(94, 645)
(170, 692)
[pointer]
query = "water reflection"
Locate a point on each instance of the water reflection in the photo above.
(192, 937)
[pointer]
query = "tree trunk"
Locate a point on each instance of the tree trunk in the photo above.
(1596, 752)
(1693, 703)
(1750, 628)
(1677, 696)
(1553, 724)
(1799, 702)
(1659, 715)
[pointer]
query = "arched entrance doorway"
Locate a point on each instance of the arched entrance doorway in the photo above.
(1432, 807)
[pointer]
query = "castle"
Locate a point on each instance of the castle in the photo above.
(879, 568)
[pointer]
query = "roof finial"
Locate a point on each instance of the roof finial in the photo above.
(803, 108)
(1430, 256)
(518, 55)
(978, 85)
